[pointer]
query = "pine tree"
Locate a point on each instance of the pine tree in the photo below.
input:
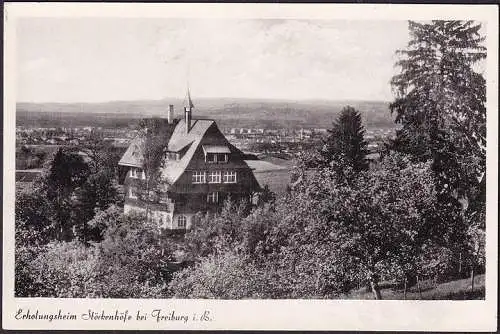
(346, 141)
(440, 102)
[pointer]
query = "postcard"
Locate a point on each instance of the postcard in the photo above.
(250, 166)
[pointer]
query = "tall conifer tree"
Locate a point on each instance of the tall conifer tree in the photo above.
(440, 102)
(345, 144)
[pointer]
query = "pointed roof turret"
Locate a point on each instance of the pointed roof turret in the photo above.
(188, 102)
(188, 107)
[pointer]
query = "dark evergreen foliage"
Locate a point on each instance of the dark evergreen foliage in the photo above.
(440, 102)
(346, 141)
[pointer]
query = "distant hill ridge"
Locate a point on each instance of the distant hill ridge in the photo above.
(227, 111)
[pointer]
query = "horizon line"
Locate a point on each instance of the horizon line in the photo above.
(208, 98)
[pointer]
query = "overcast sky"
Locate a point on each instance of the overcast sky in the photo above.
(91, 60)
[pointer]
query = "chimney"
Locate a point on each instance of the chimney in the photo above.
(187, 118)
(170, 115)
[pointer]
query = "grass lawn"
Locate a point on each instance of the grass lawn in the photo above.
(453, 290)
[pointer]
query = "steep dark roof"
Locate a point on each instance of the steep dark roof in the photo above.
(133, 155)
(179, 140)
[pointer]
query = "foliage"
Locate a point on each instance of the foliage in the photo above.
(225, 276)
(97, 193)
(64, 269)
(325, 237)
(217, 232)
(346, 142)
(62, 175)
(33, 212)
(128, 263)
(132, 263)
(266, 196)
(28, 158)
(440, 101)
(28, 241)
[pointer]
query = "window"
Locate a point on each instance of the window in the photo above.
(216, 157)
(133, 173)
(132, 193)
(143, 174)
(213, 197)
(214, 177)
(211, 157)
(172, 156)
(181, 221)
(222, 158)
(198, 177)
(229, 177)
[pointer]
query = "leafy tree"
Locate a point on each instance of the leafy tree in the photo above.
(66, 172)
(153, 140)
(266, 196)
(364, 228)
(33, 212)
(346, 141)
(323, 238)
(132, 263)
(97, 193)
(225, 276)
(216, 232)
(94, 147)
(64, 269)
(28, 244)
(127, 263)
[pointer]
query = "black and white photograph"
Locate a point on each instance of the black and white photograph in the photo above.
(248, 158)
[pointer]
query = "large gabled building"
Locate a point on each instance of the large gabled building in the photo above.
(200, 170)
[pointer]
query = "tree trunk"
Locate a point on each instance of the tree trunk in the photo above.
(404, 289)
(460, 263)
(472, 278)
(375, 289)
(418, 287)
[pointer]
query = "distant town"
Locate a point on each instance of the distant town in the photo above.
(255, 140)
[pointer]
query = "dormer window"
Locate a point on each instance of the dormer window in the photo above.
(216, 153)
(172, 156)
(211, 157)
(222, 157)
(137, 173)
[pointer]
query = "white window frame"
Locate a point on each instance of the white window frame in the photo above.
(199, 177)
(215, 176)
(172, 156)
(213, 197)
(132, 193)
(182, 222)
(214, 161)
(230, 177)
(225, 158)
(133, 173)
